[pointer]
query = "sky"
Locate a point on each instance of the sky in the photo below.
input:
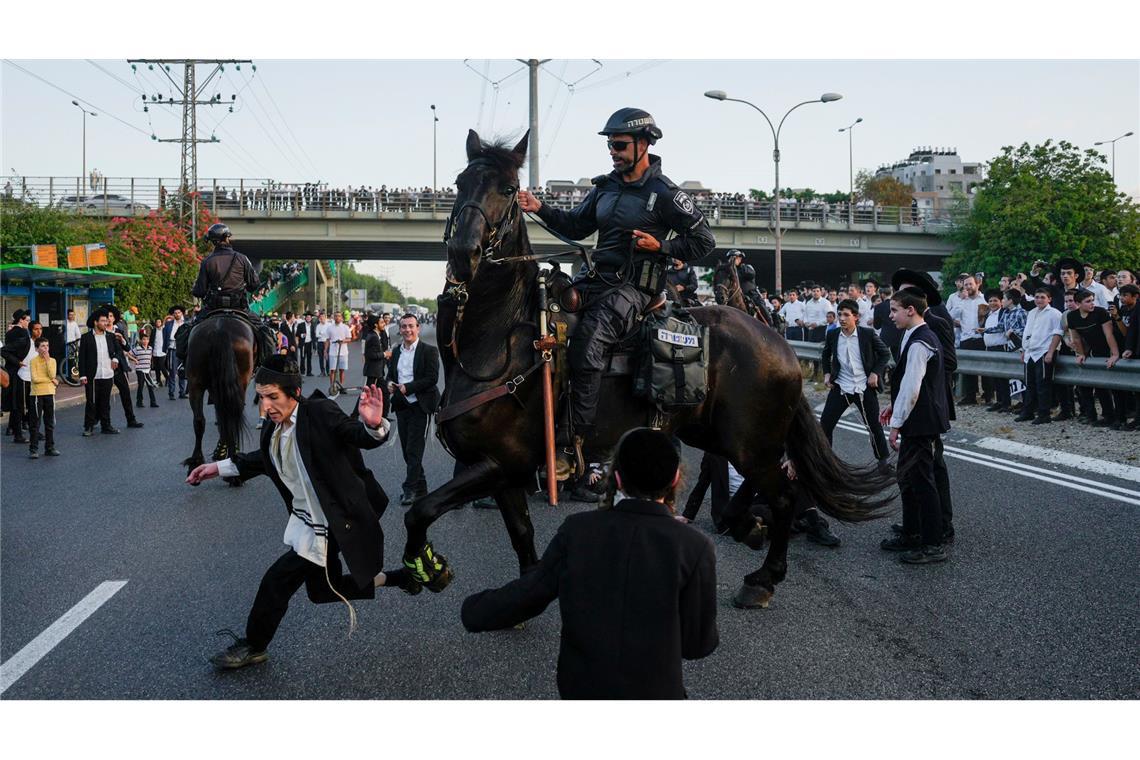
(369, 122)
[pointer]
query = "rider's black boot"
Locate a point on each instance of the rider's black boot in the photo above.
(570, 460)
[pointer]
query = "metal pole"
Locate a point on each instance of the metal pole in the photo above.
(779, 235)
(84, 175)
(434, 184)
(532, 150)
(850, 175)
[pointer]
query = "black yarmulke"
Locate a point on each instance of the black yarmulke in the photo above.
(646, 460)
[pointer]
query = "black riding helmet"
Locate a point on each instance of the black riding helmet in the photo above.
(634, 122)
(731, 254)
(218, 233)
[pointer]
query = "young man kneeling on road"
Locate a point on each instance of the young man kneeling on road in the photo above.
(311, 451)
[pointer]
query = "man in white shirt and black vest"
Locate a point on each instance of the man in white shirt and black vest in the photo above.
(311, 451)
(918, 412)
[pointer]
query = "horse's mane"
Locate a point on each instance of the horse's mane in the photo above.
(501, 155)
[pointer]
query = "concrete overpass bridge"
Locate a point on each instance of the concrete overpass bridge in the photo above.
(302, 221)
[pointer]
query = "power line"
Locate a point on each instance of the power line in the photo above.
(301, 172)
(123, 82)
(622, 76)
(93, 106)
(292, 134)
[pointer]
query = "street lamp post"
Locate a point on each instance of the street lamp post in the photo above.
(850, 170)
(434, 191)
(827, 97)
(1113, 141)
(83, 176)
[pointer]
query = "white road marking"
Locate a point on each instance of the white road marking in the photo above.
(21, 662)
(1076, 461)
(1029, 471)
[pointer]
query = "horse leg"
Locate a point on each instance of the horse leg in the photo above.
(759, 586)
(427, 567)
(516, 515)
(196, 458)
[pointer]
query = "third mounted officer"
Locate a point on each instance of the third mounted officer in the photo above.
(635, 209)
(225, 278)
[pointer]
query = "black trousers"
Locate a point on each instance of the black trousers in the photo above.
(173, 365)
(98, 408)
(158, 364)
(607, 320)
(283, 579)
(125, 395)
(1038, 387)
(1000, 384)
(942, 482)
(140, 381)
(19, 392)
(922, 508)
(817, 334)
(42, 409)
(868, 401)
(794, 332)
(970, 382)
(307, 358)
(1113, 404)
(412, 423)
(714, 473)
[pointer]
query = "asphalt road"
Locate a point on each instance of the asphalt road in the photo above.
(1040, 600)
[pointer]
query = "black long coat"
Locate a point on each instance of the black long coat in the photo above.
(637, 593)
(375, 344)
(348, 493)
(89, 354)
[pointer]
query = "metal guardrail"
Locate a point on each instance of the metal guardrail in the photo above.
(260, 197)
(1124, 376)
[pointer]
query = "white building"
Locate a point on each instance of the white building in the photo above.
(938, 175)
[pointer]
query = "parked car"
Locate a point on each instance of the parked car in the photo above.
(103, 203)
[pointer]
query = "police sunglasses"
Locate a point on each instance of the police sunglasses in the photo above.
(618, 145)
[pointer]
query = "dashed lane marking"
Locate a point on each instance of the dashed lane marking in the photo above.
(38, 648)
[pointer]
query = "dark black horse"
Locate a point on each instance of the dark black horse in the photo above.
(755, 411)
(220, 359)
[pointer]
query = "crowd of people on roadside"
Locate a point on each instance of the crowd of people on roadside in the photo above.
(1092, 319)
(274, 276)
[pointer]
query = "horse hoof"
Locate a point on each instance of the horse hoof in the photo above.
(442, 580)
(752, 597)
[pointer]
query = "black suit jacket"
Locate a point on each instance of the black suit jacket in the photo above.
(375, 344)
(89, 354)
(637, 593)
(872, 350)
(300, 333)
(425, 374)
(349, 495)
(17, 342)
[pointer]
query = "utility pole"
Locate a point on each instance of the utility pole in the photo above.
(532, 151)
(189, 97)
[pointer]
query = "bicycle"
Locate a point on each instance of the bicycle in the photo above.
(69, 367)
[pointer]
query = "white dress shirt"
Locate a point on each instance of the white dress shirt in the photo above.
(815, 311)
(157, 344)
(25, 371)
(73, 333)
(404, 373)
(1100, 293)
(852, 376)
(967, 315)
(907, 397)
(1040, 327)
(866, 311)
(792, 311)
(103, 370)
(308, 529)
(173, 332)
(321, 331)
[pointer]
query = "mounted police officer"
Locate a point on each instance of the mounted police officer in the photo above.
(225, 277)
(682, 280)
(746, 273)
(634, 209)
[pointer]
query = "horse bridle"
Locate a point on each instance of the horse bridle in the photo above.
(498, 229)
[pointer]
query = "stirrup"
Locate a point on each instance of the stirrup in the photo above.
(570, 462)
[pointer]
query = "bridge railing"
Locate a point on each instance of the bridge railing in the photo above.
(1124, 376)
(227, 197)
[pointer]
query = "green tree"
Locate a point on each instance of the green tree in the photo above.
(1044, 202)
(884, 191)
(758, 195)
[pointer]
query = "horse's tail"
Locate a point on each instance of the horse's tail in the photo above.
(225, 391)
(847, 493)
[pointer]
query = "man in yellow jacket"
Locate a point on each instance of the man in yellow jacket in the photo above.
(44, 382)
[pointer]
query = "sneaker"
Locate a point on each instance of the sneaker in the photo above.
(183, 395)
(152, 405)
(238, 655)
(19, 439)
(134, 424)
(52, 452)
(1042, 421)
(925, 555)
(110, 431)
(994, 407)
(899, 543)
(896, 528)
(170, 396)
(1023, 417)
(88, 432)
(486, 502)
(33, 455)
(1063, 416)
